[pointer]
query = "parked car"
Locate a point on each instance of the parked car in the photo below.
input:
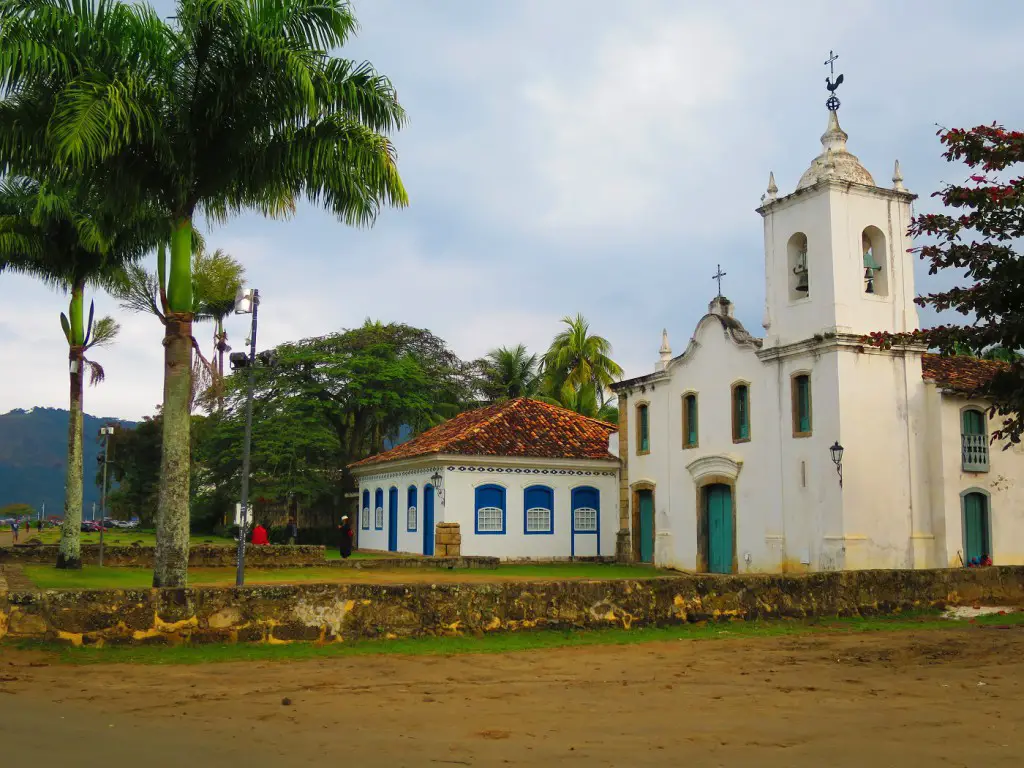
(90, 526)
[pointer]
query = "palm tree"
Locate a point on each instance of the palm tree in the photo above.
(217, 277)
(510, 372)
(63, 239)
(577, 360)
(236, 105)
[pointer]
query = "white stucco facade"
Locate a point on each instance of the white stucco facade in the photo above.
(754, 486)
(574, 484)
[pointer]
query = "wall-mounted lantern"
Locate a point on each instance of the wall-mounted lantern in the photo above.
(837, 458)
(437, 479)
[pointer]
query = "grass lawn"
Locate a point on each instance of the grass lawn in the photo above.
(507, 642)
(94, 577)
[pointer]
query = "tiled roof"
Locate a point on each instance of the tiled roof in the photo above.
(959, 373)
(520, 427)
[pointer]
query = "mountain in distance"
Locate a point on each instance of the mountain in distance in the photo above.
(33, 458)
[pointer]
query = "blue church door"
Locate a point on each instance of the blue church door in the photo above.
(428, 520)
(393, 520)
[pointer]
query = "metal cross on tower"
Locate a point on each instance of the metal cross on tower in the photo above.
(718, 276)
(832, 82)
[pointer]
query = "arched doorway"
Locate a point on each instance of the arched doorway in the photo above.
(718, 527)
(977, 526)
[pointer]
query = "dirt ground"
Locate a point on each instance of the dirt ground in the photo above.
(935, 698)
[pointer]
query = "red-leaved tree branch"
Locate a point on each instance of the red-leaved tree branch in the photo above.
(977, 235)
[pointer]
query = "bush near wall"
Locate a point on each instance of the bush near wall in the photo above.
(199, 556)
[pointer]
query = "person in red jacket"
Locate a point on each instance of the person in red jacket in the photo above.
(259, 536)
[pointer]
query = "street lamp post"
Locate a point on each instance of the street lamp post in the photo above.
(246, 302)
(106, 433)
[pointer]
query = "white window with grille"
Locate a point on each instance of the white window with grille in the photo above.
(410, 522)
(585, 519)
(378, 518)
(365, 522)
(538, 520)
(490, 520)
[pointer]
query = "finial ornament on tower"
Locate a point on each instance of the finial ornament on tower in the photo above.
(897, 178)
(832, 82)
(773, 188)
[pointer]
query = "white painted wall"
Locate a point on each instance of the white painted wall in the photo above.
(408, 541)
(460, 482)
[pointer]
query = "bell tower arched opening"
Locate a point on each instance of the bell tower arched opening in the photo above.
(799, 284)
(876, 275)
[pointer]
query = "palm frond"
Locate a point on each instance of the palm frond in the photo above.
(104, 332)
(96, 372)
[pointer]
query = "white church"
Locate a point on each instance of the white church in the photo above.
(807, 449)
(801, 450)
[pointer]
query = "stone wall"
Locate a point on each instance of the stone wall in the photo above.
(423, 563)
(200, 556)
(334, 612)
(447, 540)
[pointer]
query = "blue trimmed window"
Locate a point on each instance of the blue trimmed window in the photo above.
(410, 521)
(538, 509)
(586, 510)
(378, 509)
(490, 509)
(364, 512)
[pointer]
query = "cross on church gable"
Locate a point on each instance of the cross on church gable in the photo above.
(718, 276)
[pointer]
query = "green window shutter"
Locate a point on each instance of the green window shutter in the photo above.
(973, 423)
(645, 433)
(691, 419)
(803, 394)
(742, 417)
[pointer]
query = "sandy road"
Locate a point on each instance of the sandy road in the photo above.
(953, 697)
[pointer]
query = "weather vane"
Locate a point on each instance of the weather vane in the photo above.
(832, 103)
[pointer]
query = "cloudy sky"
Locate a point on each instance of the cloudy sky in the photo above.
(569, 156)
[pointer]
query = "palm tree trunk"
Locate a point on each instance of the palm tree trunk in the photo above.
(170, 568)
(69, 553)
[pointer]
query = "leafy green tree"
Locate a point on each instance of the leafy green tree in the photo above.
(135, 470)
(510, 372)
(65, 238)
(978, 237)
(235, 105)
(328, 401)
(578, 368)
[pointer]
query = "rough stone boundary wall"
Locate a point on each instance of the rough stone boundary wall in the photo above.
(333, 612)
(199, 556)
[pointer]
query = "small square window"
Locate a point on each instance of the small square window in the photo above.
(490, 520)
(585, 519)
(538, 520)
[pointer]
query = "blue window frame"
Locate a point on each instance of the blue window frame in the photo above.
(489, 517)
(538, 510)
(586, 513)
(364, 512)
(410, 521)
(378, 509)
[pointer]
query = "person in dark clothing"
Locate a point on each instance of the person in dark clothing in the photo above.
(293, 530)
(345, 537)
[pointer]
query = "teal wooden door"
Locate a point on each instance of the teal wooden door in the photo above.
(646, 499)
(719, 512)
(975, 526)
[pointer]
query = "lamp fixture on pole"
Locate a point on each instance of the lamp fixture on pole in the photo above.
(247, 301)
(837, 458)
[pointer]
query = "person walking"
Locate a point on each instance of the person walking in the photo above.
(345, 535)
(14, 531)
(293, 530)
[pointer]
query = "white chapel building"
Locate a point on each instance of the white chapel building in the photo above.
(807, 449)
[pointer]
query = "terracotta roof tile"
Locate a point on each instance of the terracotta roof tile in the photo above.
(520, 427)
(959, 373)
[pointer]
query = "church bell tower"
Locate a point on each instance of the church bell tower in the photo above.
(836, 259)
